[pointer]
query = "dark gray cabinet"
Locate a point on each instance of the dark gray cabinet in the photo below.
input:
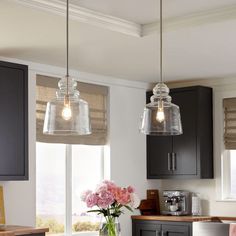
(176, 230)
(189, 155)
(161, 228)
(13, 121)
(143, 229)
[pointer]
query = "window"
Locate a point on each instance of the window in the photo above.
(229, 149)
(63, 173)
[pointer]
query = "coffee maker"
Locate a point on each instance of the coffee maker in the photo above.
(176, 203)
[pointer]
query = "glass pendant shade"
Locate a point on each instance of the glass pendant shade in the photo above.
(160, 116)
(69, 117)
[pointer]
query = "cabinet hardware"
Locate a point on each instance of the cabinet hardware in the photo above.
(162, 233)
(173, 156)
(169, 162)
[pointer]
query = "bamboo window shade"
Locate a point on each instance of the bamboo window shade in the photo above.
(230, 123)
(95, 95)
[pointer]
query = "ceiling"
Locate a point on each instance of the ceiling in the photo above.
(199, 38)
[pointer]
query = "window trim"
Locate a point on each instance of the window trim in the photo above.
(68, 189)
(226, 176)
(86, 234)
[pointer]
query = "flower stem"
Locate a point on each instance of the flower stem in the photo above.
(111, 225)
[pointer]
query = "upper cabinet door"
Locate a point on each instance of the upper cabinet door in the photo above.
(13, 121)
(159, 151)
(184, 154)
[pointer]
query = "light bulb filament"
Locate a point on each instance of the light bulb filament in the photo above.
(160, 117)
(66, 111)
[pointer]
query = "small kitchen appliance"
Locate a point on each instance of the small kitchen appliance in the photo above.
(176, 203)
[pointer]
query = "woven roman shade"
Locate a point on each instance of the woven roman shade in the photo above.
(230, 123)
(95, 95)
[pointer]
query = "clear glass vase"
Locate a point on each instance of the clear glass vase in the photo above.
(110, 226)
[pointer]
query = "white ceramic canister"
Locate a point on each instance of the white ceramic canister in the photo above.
(196, 205)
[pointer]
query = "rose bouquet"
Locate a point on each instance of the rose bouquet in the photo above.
(110, 200)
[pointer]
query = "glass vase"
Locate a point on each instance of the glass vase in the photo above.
(110, 226)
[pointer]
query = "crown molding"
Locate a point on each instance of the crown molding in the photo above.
(192, 20)
(130, 28)
(86, 16)
(82, 76)
(218, 84)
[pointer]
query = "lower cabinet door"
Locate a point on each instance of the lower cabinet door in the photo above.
(176, 230)
(147, 230)
(160, 228)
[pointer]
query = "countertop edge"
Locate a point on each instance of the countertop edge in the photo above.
(184, 218)
(11, 230)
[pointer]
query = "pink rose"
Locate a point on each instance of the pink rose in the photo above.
(131, 189)
(105, 198)
(122, 196)
(85, 194)
(109, 184)
(102, 187)
(92, 200)
(111, 187)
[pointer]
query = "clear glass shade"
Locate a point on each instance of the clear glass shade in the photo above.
(160, 116)
(70, 118)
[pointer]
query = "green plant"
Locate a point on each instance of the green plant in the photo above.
(53, 225)
(85, 226)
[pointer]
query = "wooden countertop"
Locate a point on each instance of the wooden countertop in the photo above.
(12, 230)
(184, 218)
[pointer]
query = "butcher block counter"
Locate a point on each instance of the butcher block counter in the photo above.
(12, 230)
(184, 218)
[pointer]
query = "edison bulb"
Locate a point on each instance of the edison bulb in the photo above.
(66, 112)
(160, 112)
(160, 115)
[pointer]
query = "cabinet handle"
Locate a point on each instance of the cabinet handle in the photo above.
(159, 233)
(169, 162)
(162, 233)
(173, 155)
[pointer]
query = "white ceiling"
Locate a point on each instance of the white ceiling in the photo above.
(192, 51)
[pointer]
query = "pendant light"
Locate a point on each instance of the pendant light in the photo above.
(67, 114)
(160, 116)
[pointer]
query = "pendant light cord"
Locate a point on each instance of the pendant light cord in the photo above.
(161, 39)
(67, 46)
